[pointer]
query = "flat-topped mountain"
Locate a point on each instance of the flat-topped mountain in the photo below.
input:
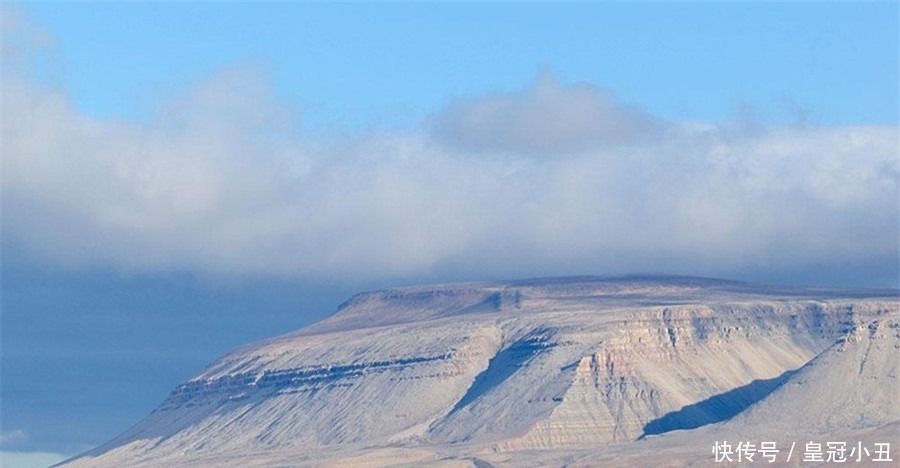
(547, 369)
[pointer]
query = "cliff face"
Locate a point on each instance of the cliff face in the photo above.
(542, 364)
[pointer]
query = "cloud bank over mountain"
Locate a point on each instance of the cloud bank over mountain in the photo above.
(547, 118)
(555, 178)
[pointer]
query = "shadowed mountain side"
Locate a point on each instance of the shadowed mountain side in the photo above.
(503, 365)
(854, 384)
(717, 408)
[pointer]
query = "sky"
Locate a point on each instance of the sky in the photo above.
(182, 178)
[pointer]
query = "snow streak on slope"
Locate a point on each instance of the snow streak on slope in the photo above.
(561, 364)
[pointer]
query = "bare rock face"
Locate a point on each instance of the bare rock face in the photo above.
(435, 374)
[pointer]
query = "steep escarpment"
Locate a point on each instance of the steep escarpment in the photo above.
(541, 364)
(683, 367)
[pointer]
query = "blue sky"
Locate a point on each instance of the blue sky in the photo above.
(371, 64)
(182, 178)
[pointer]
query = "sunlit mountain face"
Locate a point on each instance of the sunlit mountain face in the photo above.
(547, 369)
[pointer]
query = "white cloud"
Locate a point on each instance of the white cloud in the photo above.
(29, 459)
(224, 182)
(12, 438)
(547, 118)
(24, 44)
(11, 457)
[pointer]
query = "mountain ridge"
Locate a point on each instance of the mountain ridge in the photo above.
(491, 295)
(550, 365)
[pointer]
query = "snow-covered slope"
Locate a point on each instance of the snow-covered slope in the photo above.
(855, 384)
(431, 374)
